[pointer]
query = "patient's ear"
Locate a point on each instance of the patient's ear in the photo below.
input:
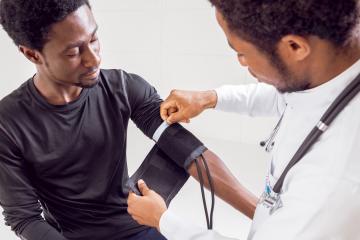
(33, 55)
(294, 48)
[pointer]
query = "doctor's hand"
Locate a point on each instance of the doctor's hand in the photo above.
(146, 209)
(181, 105)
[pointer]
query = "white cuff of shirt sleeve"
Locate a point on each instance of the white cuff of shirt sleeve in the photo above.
(174, 228)
(169, 224)
(221, 95)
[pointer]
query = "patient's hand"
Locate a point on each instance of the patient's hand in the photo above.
(146, 209)
(180, 105)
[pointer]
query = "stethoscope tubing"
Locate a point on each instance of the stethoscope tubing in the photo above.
(331, 113)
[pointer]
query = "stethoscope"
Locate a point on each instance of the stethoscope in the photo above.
(271, 198)
(269, 142)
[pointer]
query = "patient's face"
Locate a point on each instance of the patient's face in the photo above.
(72, 53)
(261, 65)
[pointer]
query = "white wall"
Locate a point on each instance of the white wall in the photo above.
(172, 44)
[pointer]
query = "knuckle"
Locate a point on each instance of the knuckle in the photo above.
(175, 92)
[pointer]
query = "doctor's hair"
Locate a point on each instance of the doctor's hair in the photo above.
(28, 22)
(265, 22)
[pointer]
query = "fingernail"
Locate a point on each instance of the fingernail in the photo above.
(141, 181)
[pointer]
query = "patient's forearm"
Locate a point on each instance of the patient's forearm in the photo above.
(226, 186)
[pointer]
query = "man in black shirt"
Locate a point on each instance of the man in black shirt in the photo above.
(63, 132)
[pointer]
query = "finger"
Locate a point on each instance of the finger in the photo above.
(132, 196)
(164, 108)
(130, 211)
(163, 113)
(175, 117)
(143, 187)
(172, 110)
(185, 121)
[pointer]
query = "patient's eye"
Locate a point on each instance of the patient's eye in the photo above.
(73, 52)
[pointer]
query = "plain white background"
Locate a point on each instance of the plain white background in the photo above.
(172, 44)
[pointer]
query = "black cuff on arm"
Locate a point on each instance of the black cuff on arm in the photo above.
(164, 168)
(180, 145)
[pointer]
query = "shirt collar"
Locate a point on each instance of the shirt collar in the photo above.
(324, 94)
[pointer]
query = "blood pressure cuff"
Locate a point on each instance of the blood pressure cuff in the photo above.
(161, 174)
(164, 168)
(180, 145)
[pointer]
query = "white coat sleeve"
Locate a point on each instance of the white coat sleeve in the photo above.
(257, 99)
(174, 228)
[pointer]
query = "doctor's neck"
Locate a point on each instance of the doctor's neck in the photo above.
(328, 62)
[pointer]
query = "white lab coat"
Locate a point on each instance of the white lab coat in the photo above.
(321, 194)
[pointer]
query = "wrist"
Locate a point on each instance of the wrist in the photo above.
(208, 99)
(158, 220)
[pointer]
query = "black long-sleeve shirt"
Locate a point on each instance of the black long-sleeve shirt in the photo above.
(69, 161)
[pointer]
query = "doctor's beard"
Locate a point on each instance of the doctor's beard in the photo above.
(289, 81)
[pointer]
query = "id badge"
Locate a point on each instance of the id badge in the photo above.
(268, 203)
(271, 201)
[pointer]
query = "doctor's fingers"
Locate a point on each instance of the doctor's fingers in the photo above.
(172, 111)
(132, 198)
(179, 116)
(135, 216)
(134, 205)
(177, 98)
(173, 115)
(144, 189)
(167, 108)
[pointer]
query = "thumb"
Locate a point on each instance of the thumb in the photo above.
(144, 189)
(175, 117)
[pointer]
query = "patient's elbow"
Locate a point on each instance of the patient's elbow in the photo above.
(21, 218)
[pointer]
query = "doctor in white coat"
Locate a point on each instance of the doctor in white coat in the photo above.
(304, 53)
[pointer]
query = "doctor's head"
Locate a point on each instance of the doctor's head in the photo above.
(58, 36)
(286, 43)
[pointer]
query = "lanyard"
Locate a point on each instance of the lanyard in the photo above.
(331, 113)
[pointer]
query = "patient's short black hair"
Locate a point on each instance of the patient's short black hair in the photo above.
(265, 22)
(28, 22)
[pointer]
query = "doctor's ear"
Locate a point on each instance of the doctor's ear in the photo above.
(31, 54)
(294, 48)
